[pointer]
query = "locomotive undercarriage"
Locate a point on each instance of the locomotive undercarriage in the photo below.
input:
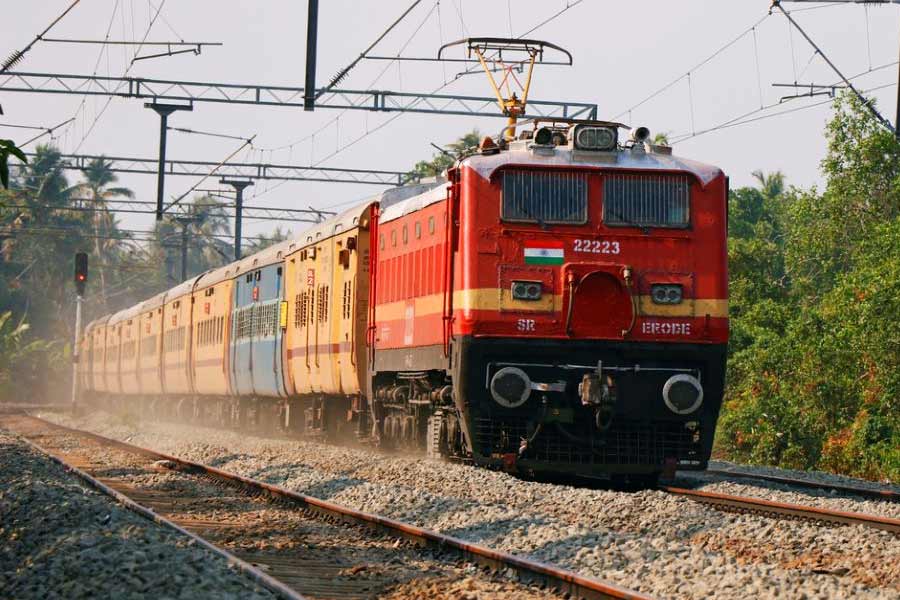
(404, 402)
(593, 408)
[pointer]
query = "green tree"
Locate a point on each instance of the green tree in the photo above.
(814, 375)
(98, 178)
(445, 158)
(29, 367)
(8, 148)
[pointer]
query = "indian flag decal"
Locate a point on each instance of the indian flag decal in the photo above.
(544, 253)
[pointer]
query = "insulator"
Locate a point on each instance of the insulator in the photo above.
(12, 60)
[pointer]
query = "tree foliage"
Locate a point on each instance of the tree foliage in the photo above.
(814, 376)
(443, 159)
(8, 148)
(44, 221)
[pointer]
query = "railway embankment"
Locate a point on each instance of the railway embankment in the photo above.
(651, 541)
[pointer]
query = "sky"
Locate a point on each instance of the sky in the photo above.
(624, 53)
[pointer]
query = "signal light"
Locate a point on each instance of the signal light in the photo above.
(81, 272)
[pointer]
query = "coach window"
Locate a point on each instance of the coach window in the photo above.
(431, 225)
(394, 238)
(405, 234)
(418, 230)
(381, 242)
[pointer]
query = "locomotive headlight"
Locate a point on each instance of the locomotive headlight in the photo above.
(666, 294)
(510, 387)
(600, 139)
(682, 394)
(526, 290)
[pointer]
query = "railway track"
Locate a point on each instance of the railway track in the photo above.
(875, 494)
(297, 545)
(746, 504)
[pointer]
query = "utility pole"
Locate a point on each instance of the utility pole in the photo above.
(185, 223)
(163, 110)
(312, 32)
(897, 114)
(239, 185)
(81, 276)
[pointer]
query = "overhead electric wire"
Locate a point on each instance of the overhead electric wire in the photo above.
(343, 72)
(127, 70)
(335, 119)
(128, 234)
(865, 102)
(84, 97)
(208, 133)
(703, 62)
(10, 125)
(400, 114)
(18, 55)
(129, 42)
(210, 174)
(48, 131)
(744, 120)
(709, 58)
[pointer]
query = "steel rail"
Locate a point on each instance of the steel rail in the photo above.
(246, 568)
(529, 571)
(877, 494)
(783, 509)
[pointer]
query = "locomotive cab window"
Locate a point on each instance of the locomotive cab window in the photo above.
(544, 197)
(646, 201)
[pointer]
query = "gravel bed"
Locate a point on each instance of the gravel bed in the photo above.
(663, 545)
(61, 539)
(325, 559)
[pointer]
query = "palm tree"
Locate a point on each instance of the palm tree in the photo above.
(770, 184)
(210, 224)
(263, 241)
(97, 178)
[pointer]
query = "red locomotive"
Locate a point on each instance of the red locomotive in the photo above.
(571, 318)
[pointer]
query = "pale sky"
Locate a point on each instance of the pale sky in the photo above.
(623, 51)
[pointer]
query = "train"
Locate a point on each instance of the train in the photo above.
(555, 304)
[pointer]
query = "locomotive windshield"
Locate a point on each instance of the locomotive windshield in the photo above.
(646, 200)
(542, 197)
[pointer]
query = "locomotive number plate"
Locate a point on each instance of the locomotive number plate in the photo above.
(597, 247)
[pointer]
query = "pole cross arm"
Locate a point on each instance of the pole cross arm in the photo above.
(265, 95)
(261, 171)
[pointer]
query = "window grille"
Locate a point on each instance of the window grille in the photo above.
(646, 200)
(544, 197)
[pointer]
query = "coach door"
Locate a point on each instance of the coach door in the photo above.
(266, 332)
(241, 340)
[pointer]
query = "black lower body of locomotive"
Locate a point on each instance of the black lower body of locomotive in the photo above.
(554, 432)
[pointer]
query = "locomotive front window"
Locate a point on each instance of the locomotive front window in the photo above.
(646, 200)
(543, 197)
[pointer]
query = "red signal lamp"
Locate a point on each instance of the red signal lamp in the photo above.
(81, 272)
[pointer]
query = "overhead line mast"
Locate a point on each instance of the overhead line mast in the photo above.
(895, 128)
(259, 171)
(263, 95)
